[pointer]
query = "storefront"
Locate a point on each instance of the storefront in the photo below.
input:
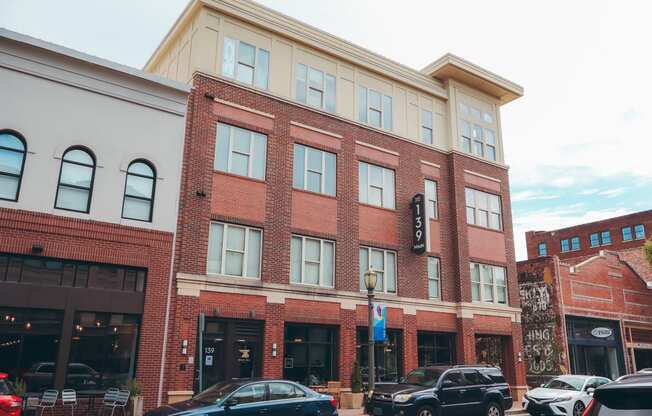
(490, 349)
(435, 348)
(388, 355)
(311, 354)
(69, 324)
(595, 347)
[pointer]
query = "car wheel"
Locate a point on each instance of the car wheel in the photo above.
(578, 409)
(426, 411)
(494, 409)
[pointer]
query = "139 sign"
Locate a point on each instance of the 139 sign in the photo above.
(418, 224)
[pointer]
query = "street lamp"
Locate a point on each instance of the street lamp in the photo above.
(370, 279)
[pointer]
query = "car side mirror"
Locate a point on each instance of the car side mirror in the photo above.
(230, 402)
(542, 384)
(590, 390)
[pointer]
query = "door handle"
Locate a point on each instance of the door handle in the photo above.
(462, 391)
(263, 411)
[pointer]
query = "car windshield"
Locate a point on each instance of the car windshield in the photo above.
(216, 392)
(565, 383)
(423, 376)
(5, 387)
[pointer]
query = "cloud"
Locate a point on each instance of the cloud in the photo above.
(612, 193)
(533, 196)
(589, 191)
(632, 115)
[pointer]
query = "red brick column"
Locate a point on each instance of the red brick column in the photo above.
(514, 367)
(348, 353)
(410, 353)
(466, 341)
(274, 334)
(185, 325)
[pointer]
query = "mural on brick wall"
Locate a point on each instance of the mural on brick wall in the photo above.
(544, 352)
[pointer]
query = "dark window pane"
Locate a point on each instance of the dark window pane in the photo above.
(68, 276)
(105, 277)
(140, 283)
(13, 270)
(81, 277)
(4, 261)
(130, 280)
(42, 272)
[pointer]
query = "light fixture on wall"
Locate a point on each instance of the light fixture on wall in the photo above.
(37, 249)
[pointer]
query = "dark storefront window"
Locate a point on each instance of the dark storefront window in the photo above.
(103, 351)
(310, 354)
(490, 349)
(435, 348)
(595, 347)
(46, 271)
(388, 355)
(29, 342)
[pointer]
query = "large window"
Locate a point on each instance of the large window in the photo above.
(314, 170)
(426, 127)
(627, 234)
(384, 264)
(310, 354)
(315, 88)
(374, 108)
(435, 348)
(639, 232)
(376, 185)
(434, 286)
(605, 236)
(102, 352)
(240, 151)
(76, 180)
(431, 198)
(543, 249)
(46, 271)
(483, 209)
(477, 134)
(140, 183)
(234, 250)
(313, 261)
(594, 239)
(565, 245)
(245, 63)
(388, 355)
(12, 162)
(575, 243)
(488, 283)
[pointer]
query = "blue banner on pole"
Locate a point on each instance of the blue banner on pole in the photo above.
(380, 319)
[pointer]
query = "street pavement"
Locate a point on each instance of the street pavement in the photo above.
(514, 411)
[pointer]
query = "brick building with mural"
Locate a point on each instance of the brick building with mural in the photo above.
(585, 293)
(302, 155)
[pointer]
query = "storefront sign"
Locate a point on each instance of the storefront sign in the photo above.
(245, 355)
(380, 320)
(418, 224)
(601, 332)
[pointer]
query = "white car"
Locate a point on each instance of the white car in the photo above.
(563, 395)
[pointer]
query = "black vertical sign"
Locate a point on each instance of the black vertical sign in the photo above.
(418, 224)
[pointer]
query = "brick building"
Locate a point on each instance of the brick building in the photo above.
(587, 311)
(302, 155)
(90, 169)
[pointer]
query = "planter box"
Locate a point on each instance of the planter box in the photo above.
(137, 406)
(351, 400)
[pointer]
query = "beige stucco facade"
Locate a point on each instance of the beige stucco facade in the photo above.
(196, 43)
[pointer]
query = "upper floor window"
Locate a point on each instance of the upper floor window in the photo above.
(240, 151)
(431, 198)
(477, 135)
(245, 63)
(76, 180)
(488, 283)
(483, 209)
(434, 287)
(594, 239)
(606, 237)
(374, 108)
(376, 185)
(575, 243)
(627, 234)
(639, 231)
(312, 261)
(543, 250)
(602, 238)
(315, 88)
(565, 245)
(138, 201)
(234, 250)
(426, 127)
(12, 162)
(384, 264)
(314, 170)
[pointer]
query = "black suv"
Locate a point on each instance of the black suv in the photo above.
(443, 391)
(628, 396)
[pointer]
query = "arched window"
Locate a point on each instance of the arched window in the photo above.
(139, 191)
(12, 162)
(76, 180)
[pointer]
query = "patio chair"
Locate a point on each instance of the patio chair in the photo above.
(48, 400)
(121, 401)
(69, 398)
(110, 396)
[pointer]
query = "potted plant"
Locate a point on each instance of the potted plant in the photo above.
(20, 390)
(353, 399)
(135, 396)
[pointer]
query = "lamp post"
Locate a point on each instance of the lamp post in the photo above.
(370, 279)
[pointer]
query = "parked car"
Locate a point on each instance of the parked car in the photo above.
(10, 404)
(443, 391)
(563, 395)
(628, 396)
(252, 397)
(40, 377)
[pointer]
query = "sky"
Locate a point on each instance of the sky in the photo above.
(578, 143)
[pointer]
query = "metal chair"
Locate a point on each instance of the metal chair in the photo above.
(48, 400)
(121, 401)
(69, 398)
(109, 399)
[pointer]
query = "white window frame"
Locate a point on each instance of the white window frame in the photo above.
(245, 253)
(383, 271)
(229, 163)
(489, 210)
(324, 91)
(306, 169)
(431, 199)
(383, 188)
(545, 248)
(236, 63)
(484, 122)
(631, 233)
(434, 279)
(321, 263)
(382, 110)
(602, 234)
(494, 285)
(427, 128)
